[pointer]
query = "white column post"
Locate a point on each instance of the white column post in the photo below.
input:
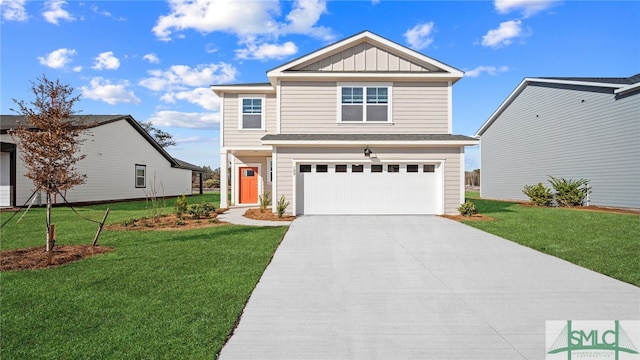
(224, 187)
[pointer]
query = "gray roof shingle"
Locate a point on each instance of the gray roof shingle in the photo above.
(11, 121)
(623, 81)
(8, 122)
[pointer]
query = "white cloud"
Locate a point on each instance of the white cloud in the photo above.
(55, 12)
(77, 68)
(503, 35)
(419, 37)
(210, 48)
(199, 96)
(103, 90)
(303, 17)
(58, 58)
(179, 77)
(151, 58)
(96, 10)
(13, 10)
(527, 7)
(491, 70)
(106, 60)
(206, 16)
(194, 140)
(267, 51)
(190, 120)
(254, 22)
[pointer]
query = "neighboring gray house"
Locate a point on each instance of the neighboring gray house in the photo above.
(122, 162)
(565, 127)
(361, 126)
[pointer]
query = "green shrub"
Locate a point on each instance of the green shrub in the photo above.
(199, 211)
(265, 201)
(211, 183)
(539, 195)
(570, 192)
(467, 209)
(281, 206)
(181, 206)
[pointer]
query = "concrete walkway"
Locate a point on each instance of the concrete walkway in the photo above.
(414, 287)
(235, 215)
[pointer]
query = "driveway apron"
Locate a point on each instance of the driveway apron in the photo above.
(414, 287)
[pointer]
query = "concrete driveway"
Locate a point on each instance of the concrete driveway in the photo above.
(414, 287)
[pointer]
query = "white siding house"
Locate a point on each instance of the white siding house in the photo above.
(122, 162)
(565, 127)
(362, 126)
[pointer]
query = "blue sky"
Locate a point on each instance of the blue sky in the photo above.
(155, 60)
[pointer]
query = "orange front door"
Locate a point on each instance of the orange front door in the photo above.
(248, 185)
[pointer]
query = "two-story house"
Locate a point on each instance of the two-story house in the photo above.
(362, 126)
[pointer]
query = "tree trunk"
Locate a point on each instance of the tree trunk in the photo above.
(48, 247)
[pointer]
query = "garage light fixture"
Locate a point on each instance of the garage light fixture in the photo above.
(367, 152)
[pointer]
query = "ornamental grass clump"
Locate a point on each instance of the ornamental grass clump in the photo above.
(265, 201)
(281, 206)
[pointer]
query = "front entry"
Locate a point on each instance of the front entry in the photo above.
(248, 185)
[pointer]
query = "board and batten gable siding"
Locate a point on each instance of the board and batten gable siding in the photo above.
(565, 131)
(233, 136)
(112, 150)
(312, 108)
(451, 156)
(365, 57)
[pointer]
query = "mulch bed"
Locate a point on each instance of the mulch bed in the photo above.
(475, 217)
(592, 208)
(36, 257)
(268, 214)
(169, 222)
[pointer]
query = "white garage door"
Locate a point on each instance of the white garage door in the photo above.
(368, 189)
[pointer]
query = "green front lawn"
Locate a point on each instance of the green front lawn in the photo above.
(160, 294)
(604, 242)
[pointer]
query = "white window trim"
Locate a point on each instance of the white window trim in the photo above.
(364, 85)
(269, 175)
(263, 97)
(236, 184)
(144, 167)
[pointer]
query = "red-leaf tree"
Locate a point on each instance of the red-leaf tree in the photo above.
(49, 140)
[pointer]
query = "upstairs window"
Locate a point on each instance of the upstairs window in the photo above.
(251, 113)
(141, 176)
(364, 104)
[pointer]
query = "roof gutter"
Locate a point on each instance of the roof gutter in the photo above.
(371, 142)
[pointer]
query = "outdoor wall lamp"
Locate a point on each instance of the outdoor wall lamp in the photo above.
(367, 152)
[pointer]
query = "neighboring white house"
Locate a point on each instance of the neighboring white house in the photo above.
(122, 162)
(362, 126)
(565, 127)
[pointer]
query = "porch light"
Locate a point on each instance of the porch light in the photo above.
(367, 152)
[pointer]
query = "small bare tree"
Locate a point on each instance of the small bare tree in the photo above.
(49, 140)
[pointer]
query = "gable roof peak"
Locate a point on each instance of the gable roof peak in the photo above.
(420, 63)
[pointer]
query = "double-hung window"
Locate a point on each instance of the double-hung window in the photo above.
(251, 113)
(367, 104)
(141, 176)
